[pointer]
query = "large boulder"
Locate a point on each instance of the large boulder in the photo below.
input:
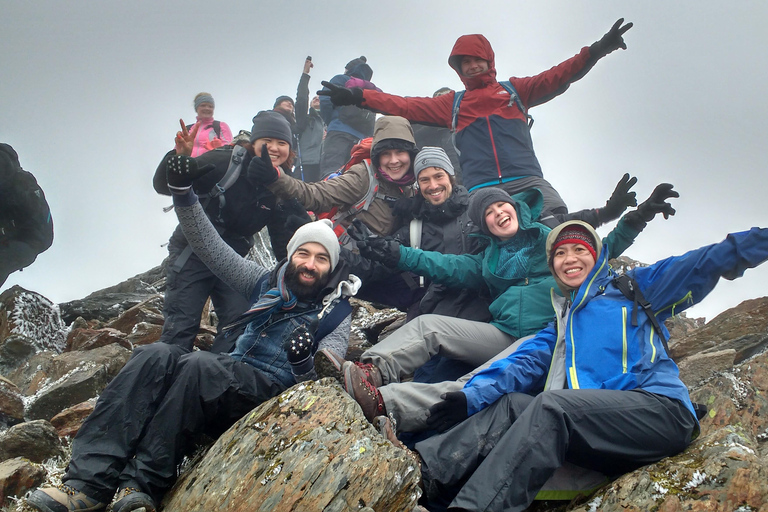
(32, 317)
(310, 448)
(35, 440)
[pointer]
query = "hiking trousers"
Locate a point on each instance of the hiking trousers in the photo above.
(404, 351)
(153, 411)
(499, 458)
(187, 291)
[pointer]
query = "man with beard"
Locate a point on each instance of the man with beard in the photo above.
(146, 420)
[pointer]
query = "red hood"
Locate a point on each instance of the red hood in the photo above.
(475, 45)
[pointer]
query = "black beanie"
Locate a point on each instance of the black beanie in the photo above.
(271, 124)
(281, 99)
(480, 200)
(355, 62)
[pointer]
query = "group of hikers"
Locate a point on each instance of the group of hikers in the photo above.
(523, 351)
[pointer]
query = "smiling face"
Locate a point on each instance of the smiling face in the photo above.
(308, 270)
(278, 149)
(501, 220)
(205, 110)
(435, 185)
(315, 103)
(473, 66)
(395, 162)
(572, 263)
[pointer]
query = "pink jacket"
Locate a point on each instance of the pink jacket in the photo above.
(206, 139)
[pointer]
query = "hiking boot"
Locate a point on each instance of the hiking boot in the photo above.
(328, 364)
(131, 498)
(365, 394)
(372, 374)
(62, 498)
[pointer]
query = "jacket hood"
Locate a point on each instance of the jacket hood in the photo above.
(551, 240)
(9, 161)
(475, 45)
(393, 132)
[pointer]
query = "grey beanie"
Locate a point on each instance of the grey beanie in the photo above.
(271, 124)
(480, 200)
(432, 157)
(319, 231)
(204, 97)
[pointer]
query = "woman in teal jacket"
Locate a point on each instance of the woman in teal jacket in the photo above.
(609, 396)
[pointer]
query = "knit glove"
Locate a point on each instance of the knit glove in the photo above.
(182, 170)
(262, 170)
(377, 248)
(301, 347)
(619, 201)
(611, 41)
(653, 205)
(452, 410)
(341, 96)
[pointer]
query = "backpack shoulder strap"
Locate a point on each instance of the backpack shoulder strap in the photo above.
(414, 232)
(458, 95)
(514, 98)
(332, 318)
(233, 172)
(629, 287)
(217, 128)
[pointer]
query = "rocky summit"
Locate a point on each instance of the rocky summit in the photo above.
(311, 448)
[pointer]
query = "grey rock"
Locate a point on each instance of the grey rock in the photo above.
(35, 440)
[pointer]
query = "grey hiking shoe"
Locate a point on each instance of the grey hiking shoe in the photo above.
(131, 498)
(62, 498)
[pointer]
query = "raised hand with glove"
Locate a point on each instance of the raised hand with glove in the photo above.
(655, 204)
(452, 410)
(301, 349)
(261, 169)
(612, 40)
(619, 201)
(377, 248)
(341, 96)
(182, 170)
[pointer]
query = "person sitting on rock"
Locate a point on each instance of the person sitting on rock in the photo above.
(596, 388)
(26, 228)
(148, 417)
(512, 267)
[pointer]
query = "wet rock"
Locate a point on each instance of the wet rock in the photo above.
(35, 440)
(69, 421)
(311, 448)
(11, 404)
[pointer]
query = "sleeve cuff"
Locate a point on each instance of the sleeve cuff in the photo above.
(188, 198)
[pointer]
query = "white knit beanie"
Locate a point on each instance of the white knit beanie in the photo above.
(321, 232)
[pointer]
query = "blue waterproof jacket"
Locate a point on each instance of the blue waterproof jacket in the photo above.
(602, 349)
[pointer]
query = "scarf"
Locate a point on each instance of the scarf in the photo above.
(277, 298)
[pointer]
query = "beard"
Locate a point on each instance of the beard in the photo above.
(303, 290)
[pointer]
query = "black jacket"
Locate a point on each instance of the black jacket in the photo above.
(247, 207)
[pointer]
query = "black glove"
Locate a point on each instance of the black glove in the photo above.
(294, 213)
(619, 201)
(650, 207)
(611, 41)
(376, 248)
(262, 170)
(301, 347)
(452, 410)
(341, 96)
(182, 170)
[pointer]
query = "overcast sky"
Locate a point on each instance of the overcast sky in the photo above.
(91, 93)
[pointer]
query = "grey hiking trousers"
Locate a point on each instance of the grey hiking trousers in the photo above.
(411, 346)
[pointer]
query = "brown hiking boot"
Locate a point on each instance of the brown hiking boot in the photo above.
(372, 374)
(365, 394)
(63, 498)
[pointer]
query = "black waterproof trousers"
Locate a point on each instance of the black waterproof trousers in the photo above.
(186, 292)
(499, 458)
(150, 415)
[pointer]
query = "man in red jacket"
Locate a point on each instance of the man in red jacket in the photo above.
(492, 131)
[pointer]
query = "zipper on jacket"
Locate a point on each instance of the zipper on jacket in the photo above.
(624, 339)
(572, 368)
(493, 147)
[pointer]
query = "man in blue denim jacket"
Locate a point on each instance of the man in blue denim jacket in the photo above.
(147, 418)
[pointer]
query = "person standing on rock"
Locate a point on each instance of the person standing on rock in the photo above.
(596, 388)
(149, 416)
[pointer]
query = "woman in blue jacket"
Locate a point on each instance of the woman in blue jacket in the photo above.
(591, 389)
